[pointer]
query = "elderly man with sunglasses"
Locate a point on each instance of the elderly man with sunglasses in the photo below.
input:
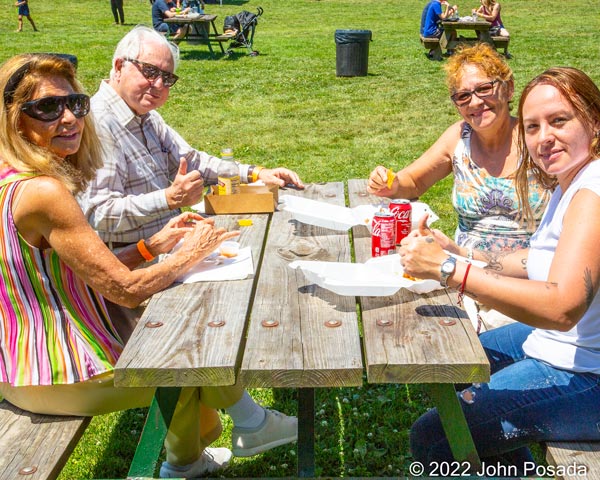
(149, 174)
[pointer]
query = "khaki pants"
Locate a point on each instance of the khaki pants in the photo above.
(194, 426)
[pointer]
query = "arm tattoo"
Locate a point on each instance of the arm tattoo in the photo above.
(524, 263)
(589, 287)
(494, 260)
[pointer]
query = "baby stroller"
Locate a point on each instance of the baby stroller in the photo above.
(240, 29)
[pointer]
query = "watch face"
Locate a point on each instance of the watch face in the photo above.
(447, 267)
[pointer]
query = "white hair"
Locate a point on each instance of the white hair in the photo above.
(131, 44)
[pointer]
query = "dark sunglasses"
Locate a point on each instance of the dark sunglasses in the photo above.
(152, 72)
(482, 90)
(48, 109)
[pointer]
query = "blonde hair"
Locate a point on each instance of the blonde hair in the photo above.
(19, 80)
(489, 3)
(584, 96)
(480, 55)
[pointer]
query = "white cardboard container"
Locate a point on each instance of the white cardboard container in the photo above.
(335, 217)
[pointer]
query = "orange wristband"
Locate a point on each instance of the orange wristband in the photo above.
(255, 172)
(144, 252)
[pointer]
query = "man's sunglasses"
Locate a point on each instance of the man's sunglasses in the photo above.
(152, 72)
(48, 109)
(482, 90)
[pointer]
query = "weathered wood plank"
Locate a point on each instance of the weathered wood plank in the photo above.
(36, 443)
(410, 338)
(302, 351)
(577, 454)
(185, 350)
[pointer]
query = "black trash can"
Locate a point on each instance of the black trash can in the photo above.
(352, 52)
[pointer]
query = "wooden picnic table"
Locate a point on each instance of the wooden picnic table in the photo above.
(276, 329)
(451, 36)
(200, 31)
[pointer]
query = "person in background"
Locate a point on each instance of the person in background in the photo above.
(490, 11)
(545, 382)
(149, 174)
(59, 346)
(117, 10)
(432, 17)
(162, 9)
(24, 12)
(480, 152)
(424, 16)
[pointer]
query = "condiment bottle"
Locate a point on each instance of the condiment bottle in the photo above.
(228, 174)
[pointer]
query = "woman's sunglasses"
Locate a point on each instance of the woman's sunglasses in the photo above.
(152, 72)
(48, 109)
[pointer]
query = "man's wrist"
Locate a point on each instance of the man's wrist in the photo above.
(254, 172)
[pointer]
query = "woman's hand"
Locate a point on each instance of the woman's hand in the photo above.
(421, 256)
(441, 239)
(203, 239)
(377, 184)
(164, 240)
(280, 176)
(422, 251)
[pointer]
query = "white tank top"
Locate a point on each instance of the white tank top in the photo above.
(578, 349)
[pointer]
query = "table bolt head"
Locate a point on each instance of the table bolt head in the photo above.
(216, 323)
(330, 195)
(153, 324)
(362, 194)
(269, 323)
(384, 322)
(447, 322)
(27, 470)
(333, 323)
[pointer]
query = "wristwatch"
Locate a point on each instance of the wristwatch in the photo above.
(447, 268)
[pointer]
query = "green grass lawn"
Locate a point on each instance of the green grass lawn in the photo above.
(287, 107)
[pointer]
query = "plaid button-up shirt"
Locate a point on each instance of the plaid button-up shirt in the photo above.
(126, 201)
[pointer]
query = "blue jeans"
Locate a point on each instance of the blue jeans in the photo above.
(526, 401)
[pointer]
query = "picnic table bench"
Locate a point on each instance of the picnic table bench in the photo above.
(35, 446)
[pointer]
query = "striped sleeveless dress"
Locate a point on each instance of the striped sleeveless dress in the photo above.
(55, 329)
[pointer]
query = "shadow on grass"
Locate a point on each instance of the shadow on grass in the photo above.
(201, 52)
(115, 459)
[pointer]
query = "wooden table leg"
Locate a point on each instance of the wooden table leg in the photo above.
(216, 35)
(203, 31)
(306, 432)
(454, 423)
(154, 432)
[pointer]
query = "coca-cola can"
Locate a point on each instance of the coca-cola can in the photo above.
(402, 211)
(383, 234)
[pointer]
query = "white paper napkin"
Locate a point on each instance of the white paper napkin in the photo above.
(216, 268)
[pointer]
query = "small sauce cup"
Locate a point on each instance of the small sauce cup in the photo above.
(229, 249)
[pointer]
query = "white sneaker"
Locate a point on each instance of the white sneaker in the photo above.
(211, 460)
(275, 430)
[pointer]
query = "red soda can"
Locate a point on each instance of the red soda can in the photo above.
(383, 234)
(402, 210)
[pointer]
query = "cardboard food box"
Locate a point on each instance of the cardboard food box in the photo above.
(251, 199)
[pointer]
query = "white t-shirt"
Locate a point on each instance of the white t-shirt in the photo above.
(578, 349)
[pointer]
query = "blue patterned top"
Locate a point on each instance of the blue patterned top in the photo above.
(487, 206)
